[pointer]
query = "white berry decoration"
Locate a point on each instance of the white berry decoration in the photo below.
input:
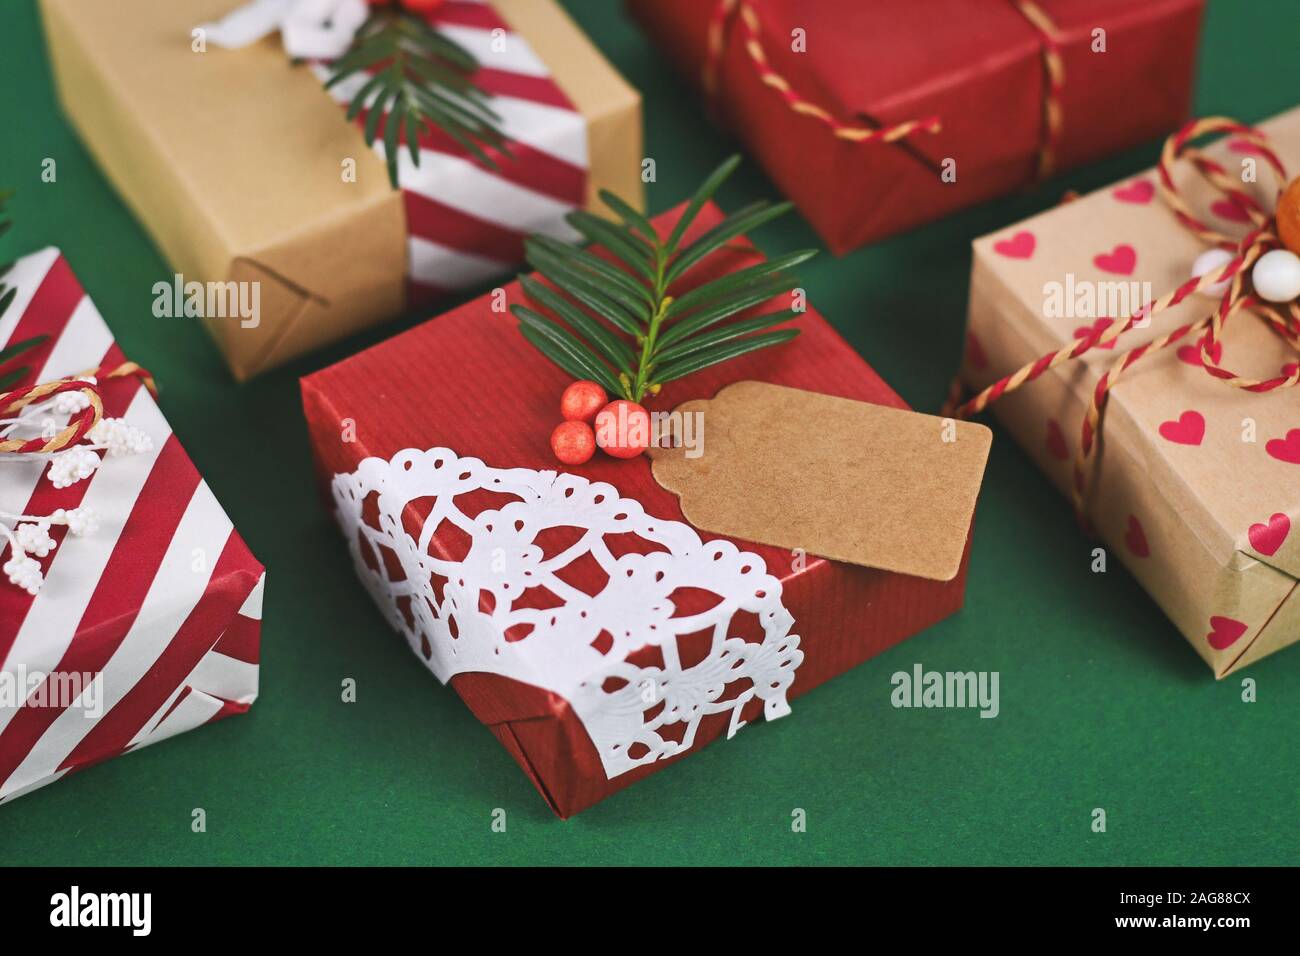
(69, 403)
(71, 466)
(80, 521)
(119, 438)
(34, 539)
(25, 538)
(24, 572)
(1277, 276)
(1212, 260)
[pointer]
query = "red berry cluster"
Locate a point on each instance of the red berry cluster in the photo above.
(621, 428)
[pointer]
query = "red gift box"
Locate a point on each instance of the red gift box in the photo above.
(151, 612)
(979, 68)
(470, 386)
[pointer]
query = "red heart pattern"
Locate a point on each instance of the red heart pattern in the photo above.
(1056, 446)
(1191, 354)
(1267, 538)
(1224, 632)
(1286, 449)
(1136, 538)
(1101, 325)
(1188, 429)
(975, 352)
(1139, 191)
(1121, 260)
(1019, 246)
(1229, 210)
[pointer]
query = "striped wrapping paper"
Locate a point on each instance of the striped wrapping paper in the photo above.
(466, 223)
(163, 600)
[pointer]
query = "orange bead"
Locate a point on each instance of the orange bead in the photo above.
(623, 429)
(581, 401)
(573, 442)
(1288, 217)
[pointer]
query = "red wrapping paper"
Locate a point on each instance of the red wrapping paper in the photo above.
(975, 64)
(470, 382)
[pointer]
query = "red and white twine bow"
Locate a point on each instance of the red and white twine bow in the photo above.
(725, 11)
(81, 422)
(29, 429)
(1240, 295)
(309, 29)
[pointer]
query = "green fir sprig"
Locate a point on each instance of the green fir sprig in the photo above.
(420, 79)
(7, 294)
(650, 337)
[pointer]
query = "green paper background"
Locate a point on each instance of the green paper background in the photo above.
(1103, 703)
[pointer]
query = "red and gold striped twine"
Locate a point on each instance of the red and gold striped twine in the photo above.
(1245, 252)
(725, 11)
(82, 422)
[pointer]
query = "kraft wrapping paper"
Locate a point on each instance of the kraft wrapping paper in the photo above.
(1191, 472)
(231, 160)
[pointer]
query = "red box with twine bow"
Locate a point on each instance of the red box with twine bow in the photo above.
(1160, 401)
(875, 117)
(517, 583)
(130, 608)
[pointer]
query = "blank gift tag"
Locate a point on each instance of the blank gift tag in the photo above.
(846, 480)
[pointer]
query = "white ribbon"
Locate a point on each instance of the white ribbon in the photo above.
(311, 29)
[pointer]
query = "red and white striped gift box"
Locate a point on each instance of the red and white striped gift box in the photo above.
(466, 222)
(162, 602)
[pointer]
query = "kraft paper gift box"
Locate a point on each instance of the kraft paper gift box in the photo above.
(1197, 488)
(152, 619)
(232, 159)
(433, 451)
(967, 87)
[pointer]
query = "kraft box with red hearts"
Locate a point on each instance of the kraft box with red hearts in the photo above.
(1191, 483)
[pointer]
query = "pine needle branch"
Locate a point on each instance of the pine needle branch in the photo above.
(618, 323)
(417, 79)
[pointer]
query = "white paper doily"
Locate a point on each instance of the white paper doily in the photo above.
(458, 610)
